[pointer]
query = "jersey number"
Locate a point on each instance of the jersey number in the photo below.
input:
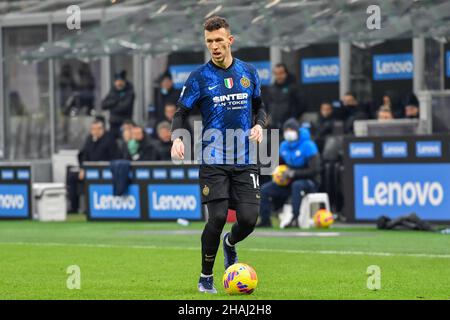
(255, 179)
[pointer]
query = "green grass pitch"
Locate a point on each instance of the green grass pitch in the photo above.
(120, 260)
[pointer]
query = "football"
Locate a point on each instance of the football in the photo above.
(277, 175)
(323, 218)
(240, 278)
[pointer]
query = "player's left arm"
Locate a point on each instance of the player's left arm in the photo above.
(259, 111)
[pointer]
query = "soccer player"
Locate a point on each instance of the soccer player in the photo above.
(227, 91)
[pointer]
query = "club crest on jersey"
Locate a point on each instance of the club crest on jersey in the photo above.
(228, 83)
(245, 82)
(206, 191)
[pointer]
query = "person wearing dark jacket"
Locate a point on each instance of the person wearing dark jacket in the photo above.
(284, 99)
(325, 124)
(140, 146)
(119, 102)
(411, 104)
(167, 94)
(99, 146)
(391, 100)
(351, 111)
(302, 157)
(163, 144)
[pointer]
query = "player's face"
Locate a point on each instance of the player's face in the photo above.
(219, 44)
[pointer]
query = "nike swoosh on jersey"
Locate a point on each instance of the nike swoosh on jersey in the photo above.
(210, 88)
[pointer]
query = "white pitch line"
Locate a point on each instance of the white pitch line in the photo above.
(324, 252)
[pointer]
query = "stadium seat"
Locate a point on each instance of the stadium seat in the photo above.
(50, 201)
(305, 219)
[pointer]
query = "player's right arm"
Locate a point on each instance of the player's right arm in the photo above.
(188, 99)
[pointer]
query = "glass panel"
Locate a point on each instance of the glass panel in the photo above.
(26, 96)
(433, 65)
(2, 131)
(77, 95)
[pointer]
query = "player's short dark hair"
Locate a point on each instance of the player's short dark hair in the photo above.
(216, 23)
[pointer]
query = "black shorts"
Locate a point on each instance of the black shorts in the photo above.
(236, 183)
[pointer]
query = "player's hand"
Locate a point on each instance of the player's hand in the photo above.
(177, 151)
(256, 133)
(81, 174)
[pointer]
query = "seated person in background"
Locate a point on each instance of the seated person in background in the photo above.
(169, 112)
(325, 124)
(127, 125)
(302, 157)
(392, 100)
(167, 94)
(163, 144)
(139, 146)
(126, 129)
(99, 146)
(411, 106)
(351, 110)
(384, 114)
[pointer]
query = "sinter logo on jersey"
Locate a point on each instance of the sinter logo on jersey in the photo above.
(233, 100)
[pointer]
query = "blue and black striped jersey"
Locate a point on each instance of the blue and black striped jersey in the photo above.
(225, 98)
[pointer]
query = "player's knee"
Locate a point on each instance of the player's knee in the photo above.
(212, 229)
(217, 214)
(216, 223)
(248, 215)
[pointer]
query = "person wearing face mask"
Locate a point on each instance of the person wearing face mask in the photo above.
(166, 95)
(119, 102)
(302, 157)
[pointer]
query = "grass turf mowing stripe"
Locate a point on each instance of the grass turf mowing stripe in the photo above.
(322, 252)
